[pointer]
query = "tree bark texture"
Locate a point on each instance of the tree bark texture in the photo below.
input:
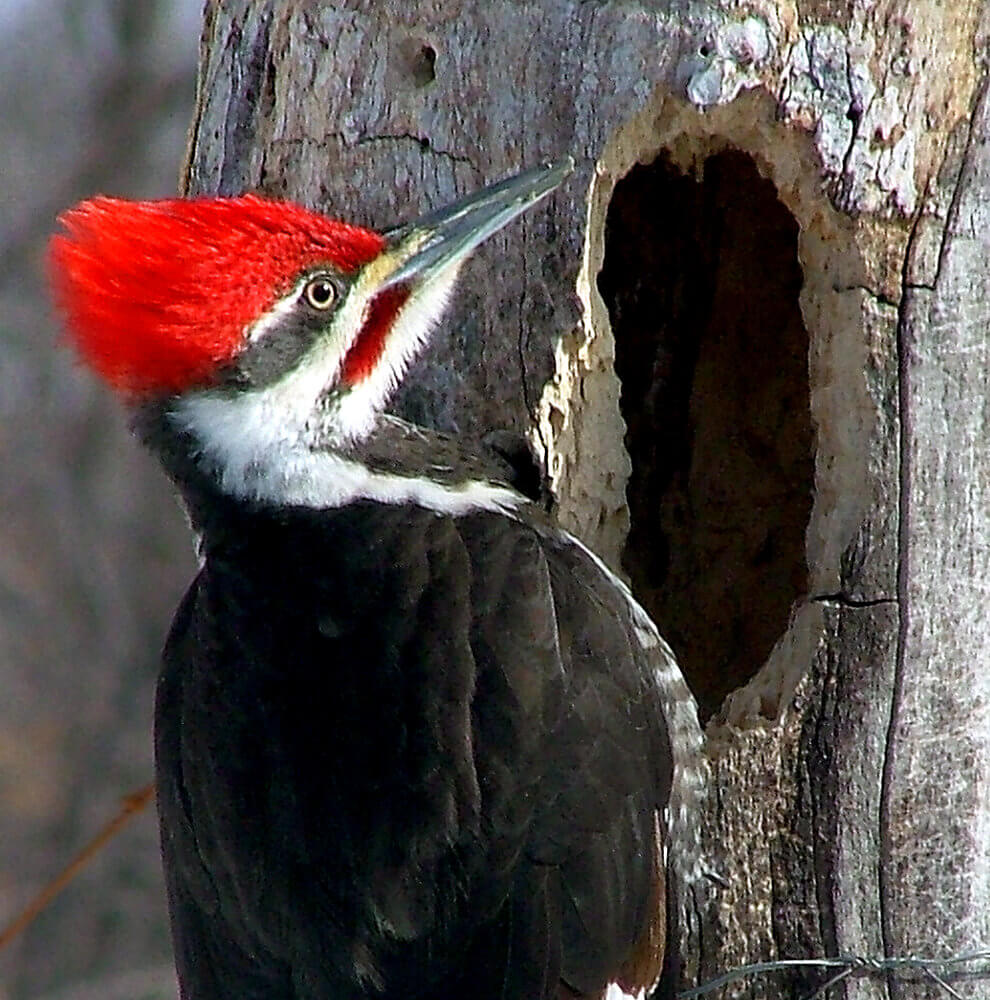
(749, 341)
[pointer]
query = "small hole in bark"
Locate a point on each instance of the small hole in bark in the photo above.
(701, 279)
(424, 66)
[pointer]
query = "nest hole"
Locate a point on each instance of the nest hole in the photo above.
(701, 279)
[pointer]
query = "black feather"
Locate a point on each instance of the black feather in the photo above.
(402, 754)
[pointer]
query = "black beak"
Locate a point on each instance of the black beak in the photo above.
(443, 238)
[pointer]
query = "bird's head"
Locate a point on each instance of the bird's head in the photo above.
(257, 328)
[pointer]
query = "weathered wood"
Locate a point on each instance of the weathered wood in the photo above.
(936, 806)
(849, 812)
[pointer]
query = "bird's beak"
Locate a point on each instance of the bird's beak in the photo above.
(430, 245)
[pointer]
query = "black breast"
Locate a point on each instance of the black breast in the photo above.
(370, 744)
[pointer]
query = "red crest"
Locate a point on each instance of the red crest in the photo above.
(157, 295)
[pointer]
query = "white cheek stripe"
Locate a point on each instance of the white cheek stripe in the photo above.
(257, 456)
(358, 409)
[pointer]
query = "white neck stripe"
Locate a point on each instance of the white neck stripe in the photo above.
(253, 453)
(323, 480)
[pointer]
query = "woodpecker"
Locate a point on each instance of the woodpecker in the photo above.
(412, 739)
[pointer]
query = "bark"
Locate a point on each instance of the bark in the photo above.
(755, 367)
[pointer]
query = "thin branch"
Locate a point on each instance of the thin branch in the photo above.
(130, 807)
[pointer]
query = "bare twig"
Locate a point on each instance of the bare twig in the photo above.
(130, 807)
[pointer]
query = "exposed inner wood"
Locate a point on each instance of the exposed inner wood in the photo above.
(701, 279)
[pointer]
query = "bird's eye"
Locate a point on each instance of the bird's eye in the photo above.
(320, 292)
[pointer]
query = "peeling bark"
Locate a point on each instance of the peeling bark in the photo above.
(849, 812)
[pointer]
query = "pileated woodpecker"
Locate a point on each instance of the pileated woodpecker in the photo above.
(412, 739)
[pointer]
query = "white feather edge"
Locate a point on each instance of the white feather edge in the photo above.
(689, 786)
(616, 992)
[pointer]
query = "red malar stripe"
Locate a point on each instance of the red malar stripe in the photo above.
(367, 349)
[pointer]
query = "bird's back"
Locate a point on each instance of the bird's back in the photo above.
(407, 754)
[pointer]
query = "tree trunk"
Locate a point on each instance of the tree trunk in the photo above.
(749, 341)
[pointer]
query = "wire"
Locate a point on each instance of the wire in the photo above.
(850, 965)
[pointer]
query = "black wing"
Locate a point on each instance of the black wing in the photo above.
(408, 755)
(588, 890)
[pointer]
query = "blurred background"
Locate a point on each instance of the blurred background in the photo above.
(95, 97)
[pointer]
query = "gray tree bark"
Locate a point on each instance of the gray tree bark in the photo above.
(749, 341)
